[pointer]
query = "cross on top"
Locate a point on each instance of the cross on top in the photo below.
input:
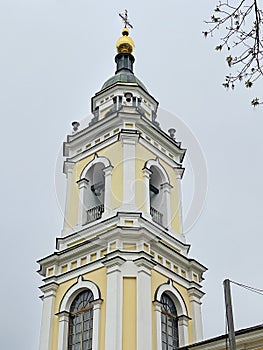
(124, 17)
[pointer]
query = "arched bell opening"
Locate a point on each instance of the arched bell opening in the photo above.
(158, 190)
(96, 192)
(93, 185)
(156, 195)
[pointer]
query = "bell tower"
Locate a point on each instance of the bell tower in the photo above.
(120, 277)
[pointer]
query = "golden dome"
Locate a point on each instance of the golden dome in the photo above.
(125, 44)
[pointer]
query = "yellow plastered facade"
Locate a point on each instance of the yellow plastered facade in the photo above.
(72, 218)
(99, 277)
(129, 313)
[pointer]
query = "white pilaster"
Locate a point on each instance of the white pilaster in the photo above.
(158, 324)
(107, 195)
(183, 330)
(146, 174)
(129, 162)
(96, 324)
(144, 304)
(179, 173)
(195, 296)
(166, 189)
(63, 330)
(47, 316)
(113, 337)
(82, 213)
(68, 170)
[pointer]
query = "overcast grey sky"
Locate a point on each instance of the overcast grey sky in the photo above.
(54, 56)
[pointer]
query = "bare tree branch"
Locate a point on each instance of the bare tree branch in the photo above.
(241, 26)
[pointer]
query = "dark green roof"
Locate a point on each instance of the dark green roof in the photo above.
(123, 76)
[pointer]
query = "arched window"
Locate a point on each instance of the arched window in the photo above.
(157, 200)
(81, 322)
(156, 195)
(169, 322)
(94, 190)
(95, 194)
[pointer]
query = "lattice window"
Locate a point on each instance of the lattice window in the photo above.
(169, 323)
(81, 322)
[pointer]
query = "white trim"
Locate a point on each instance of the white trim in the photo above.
(113, 336)
(183, 330)
(158, 328)
(166, 190)
(76, 289)
(195, 306)
(107, 196)
(156, 163)
(94, 148)
(178, 173)
(146, 174)
(96, 160)
(144, 305)
(83, 187)
(178, 300)
(128, 163)
(68, 170)
(63, 318)
(96, 324)
(47, 320)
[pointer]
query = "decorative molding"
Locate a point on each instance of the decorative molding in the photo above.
(68, 167)
(72, 292)
(175, 294)
(195, 294)
(49, 289)
(95, 160)
(156, 163)
(113, 264)
(144, 265)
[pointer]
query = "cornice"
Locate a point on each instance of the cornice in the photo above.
(132, 87)
(104, 226)
(117, 120)
(49, 289)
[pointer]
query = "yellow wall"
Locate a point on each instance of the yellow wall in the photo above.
(114, 154)
(72, 218)
(100, 278)
(129, 314)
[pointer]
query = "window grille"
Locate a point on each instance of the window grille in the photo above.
(81, 322)
(169, 323)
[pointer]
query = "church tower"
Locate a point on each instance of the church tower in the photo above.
(120, 277)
